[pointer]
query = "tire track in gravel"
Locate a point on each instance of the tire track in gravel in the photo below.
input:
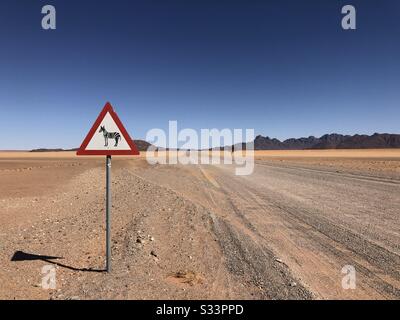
(376, 256)
(250, 262)
(378, 266)
(332, 173)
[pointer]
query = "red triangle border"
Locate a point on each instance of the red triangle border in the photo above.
(82, 150)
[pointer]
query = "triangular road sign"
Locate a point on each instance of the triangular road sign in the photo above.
(107, 136)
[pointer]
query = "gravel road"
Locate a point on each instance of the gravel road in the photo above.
(314, 221)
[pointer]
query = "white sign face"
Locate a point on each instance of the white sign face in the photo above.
(108, 136)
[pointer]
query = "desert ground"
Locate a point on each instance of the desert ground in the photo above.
(200, 231)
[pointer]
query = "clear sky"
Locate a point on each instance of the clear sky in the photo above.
(285, 68)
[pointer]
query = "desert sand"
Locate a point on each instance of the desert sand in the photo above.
(184, 232)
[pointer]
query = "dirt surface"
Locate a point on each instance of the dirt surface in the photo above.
(200, 232)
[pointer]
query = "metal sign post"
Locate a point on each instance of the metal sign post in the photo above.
(108, 137)
(108, 213)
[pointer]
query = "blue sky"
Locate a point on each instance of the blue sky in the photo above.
(285, 68)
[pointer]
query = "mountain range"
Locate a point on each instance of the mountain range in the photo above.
(330, 141)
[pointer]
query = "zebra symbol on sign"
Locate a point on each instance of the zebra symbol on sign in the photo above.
(109, 135)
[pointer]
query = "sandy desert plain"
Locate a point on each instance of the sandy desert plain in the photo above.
(199, 231)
